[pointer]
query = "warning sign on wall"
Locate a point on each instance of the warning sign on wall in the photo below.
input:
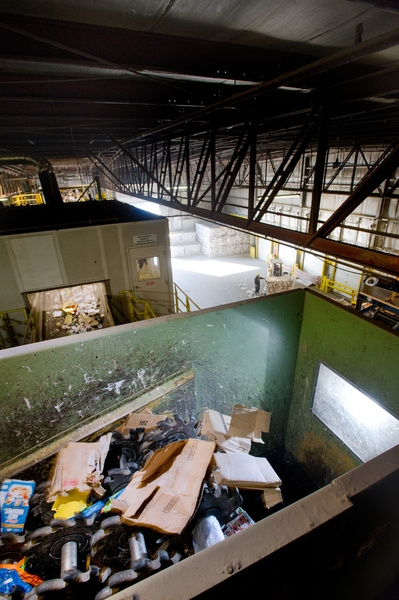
(145, 239)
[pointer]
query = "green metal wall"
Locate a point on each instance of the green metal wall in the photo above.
(248, 357)
(359, 350)
(263, 352)
(244, 353)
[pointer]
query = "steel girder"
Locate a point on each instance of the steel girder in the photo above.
(208, 177)
(232, 168)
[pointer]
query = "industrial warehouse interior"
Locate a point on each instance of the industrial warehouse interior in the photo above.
(156, 156)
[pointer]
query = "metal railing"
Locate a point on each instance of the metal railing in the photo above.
(14, 331)
(27, 199)
(181, 299)
(329, 285)
(135, 309)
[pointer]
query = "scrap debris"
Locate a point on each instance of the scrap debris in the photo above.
(79, 318)
(139, 499)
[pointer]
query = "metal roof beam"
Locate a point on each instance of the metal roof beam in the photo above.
(381, 170)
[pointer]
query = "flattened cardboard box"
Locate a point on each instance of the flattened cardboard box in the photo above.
(271, 497)
(244, 471)
(79, 466)
(235, 433)
(163, 495)
(215, 423)
(215, 426)
(249, 422)
(145, 419)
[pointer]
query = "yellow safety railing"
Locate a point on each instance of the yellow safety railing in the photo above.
(30, 331)
(329, 285)
(12, 326)
(26, 199)
(135, 309)
(183, 300)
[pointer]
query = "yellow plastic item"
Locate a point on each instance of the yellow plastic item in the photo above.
(66, 507)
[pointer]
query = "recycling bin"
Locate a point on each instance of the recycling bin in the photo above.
(294, 355)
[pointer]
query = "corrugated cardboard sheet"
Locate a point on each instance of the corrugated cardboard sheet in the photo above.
(249, 422)
(163, 495)
(244, 471)
(79, 466)
(236, 433)
(144, 419)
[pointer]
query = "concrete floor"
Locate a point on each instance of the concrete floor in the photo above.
(211, 282)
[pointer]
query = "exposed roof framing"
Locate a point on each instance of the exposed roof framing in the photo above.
(63, 82)
(241, 187)
(163, 95)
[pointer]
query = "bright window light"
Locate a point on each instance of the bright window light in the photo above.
(362, 424)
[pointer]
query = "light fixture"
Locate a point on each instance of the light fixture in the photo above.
(288, 88)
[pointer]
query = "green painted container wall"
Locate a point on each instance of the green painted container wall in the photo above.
(359, 350)
(263, 352)
(244, 353)
(248, 356)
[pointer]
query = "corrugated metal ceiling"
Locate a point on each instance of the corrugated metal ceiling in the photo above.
(73, 72)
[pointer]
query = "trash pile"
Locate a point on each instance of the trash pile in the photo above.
(137, 500)
(78, 318)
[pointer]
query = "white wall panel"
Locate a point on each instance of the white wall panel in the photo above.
(82, 255)
(37, 262)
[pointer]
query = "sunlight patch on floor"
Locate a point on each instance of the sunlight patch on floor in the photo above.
(216, 268)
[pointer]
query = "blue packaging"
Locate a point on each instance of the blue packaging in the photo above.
(14, 499)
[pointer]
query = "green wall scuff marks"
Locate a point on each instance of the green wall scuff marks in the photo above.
(262, 352)
(51, 387)
(359, 350)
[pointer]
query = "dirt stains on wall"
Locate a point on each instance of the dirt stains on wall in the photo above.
(324, 458)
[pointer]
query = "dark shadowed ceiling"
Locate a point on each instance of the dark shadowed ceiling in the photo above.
(209, 106)
(76, 76)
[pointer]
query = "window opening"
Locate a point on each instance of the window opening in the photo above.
(148, 268)
(357, 420)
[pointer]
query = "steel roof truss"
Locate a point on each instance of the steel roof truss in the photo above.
(384, 167)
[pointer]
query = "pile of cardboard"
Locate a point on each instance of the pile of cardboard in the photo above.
(232, 465)
(164, 493)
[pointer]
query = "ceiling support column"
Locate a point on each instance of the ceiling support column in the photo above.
(51, 191)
